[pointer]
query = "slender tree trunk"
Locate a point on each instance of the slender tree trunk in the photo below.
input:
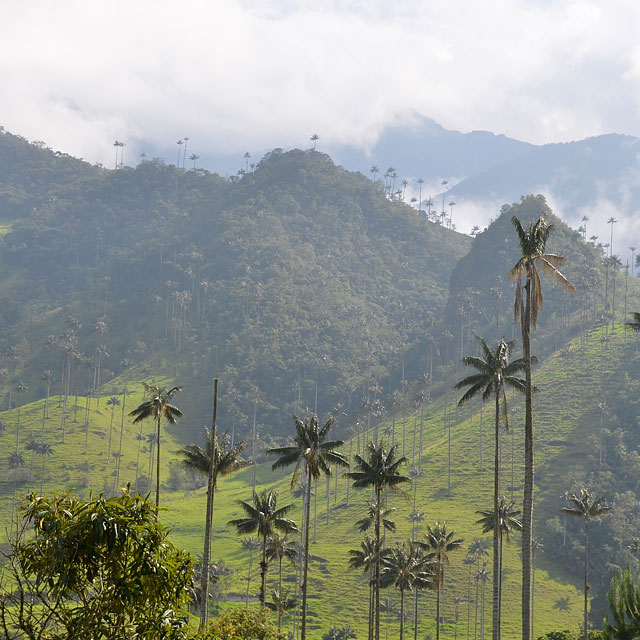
(527, 515)
(401, 614)
(586, 579)
(211, 480)
(303, 627)
(438, 611)
(496, 526)
(263, 571)
(377, 569)
(158, 462)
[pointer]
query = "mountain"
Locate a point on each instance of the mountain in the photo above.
(301, 279)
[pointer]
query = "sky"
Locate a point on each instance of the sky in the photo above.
(257, 74)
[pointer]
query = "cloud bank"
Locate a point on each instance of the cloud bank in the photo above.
(252, 75)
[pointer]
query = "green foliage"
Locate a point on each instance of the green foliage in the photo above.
(624, 604)
(102, 568)
(241, 624)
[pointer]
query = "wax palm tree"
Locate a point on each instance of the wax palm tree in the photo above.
(441, 543)
(364, 524)
(635, 323)
(495, 372)
(366, 558)
(405, 570)
(482, 577)
(264, 517)
(45, 450)
(586, 506)
(112, 402)
(537, 548)
(158, 406)
(21, 387)
(528, 301)
(279, 548)
(281, 602)
(507, 522)
(312, 455)
(226, 460)
(314, 138)
(48, 377)
(250, 543)
(380, 470)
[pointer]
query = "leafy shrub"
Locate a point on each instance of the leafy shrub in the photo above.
(241, 624)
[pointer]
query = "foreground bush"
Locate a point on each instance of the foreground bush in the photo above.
(241, 624)
(98, 569)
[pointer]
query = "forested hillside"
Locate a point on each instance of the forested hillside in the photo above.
(297, 283)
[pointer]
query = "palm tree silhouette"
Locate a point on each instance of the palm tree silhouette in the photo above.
(158, 406)
(380, 470)
(507, 522)
(406, 571)
(112, 402)
(495, 372)
(250, 543)
(314, 138)
(366, 558)
(586, 506)
(278, 549)
(440, 542)
(264, 517)
(281, 602)
(532, 242)
(226, 459)
(312, 455)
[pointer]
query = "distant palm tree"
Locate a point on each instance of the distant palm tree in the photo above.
(226, 459)
(537, 548)
(482, 577)
(314, 138)
(532, 242)
(250, 543)
(507, 522)
(21, 387)
(193, 157)
(281, 602)
(158, 406)
(112, 402)
(45, 450)
(374, 171)
(366, 559)
(495, 372)
(405, 570)
(278, 549)
(312, 455)
(441, 543)
(48, 377)
(586, 506)
(380, 470)
(264, 517)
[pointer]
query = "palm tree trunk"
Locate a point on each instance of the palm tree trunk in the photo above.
(438, 610)
(496, 527)
(401, 614)
(475, 632)
(263, 571)
(586, 579)
(280, 611)
(158, 462)
(527, 515)
(377, 584)
(206, 552)
(303, 627)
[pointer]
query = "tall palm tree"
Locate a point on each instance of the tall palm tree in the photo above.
(226, 458)
(536, 547)
(507, 522)
(112, 402)
(21, 387)
(314, 138)
(312, 455)
(586, 506)
(250, 543)
(48, 377)
(405, 570)
(278, 549)
(380, 470)
(482, 577)
(528, 301)
(281, 602)
(158, 406)
(495, 372)
(264, 517)
(45, 450)
(365, 558)
(440, 542)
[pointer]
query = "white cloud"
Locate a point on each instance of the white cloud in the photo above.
(252, 75)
